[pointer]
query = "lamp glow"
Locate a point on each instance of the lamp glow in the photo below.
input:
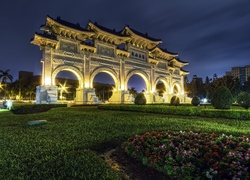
(62, 88)
(7, 104)
(47, 81)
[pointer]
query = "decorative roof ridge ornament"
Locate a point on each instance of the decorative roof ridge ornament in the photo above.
(164, 51)
(138, 33)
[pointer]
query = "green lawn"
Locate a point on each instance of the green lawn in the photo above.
(67, 146)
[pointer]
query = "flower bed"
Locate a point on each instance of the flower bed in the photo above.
(193, 155)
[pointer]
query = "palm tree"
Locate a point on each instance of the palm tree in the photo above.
(4, 75)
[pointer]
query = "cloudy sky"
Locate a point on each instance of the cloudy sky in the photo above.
(211, 35)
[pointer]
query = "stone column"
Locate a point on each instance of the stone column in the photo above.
(47, 93)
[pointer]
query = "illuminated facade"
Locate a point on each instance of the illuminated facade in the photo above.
(94, 49)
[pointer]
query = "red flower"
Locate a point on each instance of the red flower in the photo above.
(216, 165)
(213, 135)
(215, 154)
(155, 159)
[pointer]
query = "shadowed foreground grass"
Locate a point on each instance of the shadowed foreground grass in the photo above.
(66, 147)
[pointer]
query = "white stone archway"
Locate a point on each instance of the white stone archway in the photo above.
(94, 49)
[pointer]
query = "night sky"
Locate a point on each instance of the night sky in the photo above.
(211, 35)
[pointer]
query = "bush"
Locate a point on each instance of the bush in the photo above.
(175, 101)
(195, 101)
(33, 108)
(140, 99)
(244, 100)
(222, 98)
(228, 114)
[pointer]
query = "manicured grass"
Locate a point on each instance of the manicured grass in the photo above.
(68, 145)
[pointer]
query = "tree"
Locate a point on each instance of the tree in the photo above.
(233, 84)
(140, 99)
(222, 98)
(195, 101)
(133, 91)
(5, 76)
(215, 76)
(103, 91)
(160, 88)
(30, 90)
(246, 86)
(209, 88)
(207, 81)
(197, 87)
(19, 86)
(175, 101)
(244, 100)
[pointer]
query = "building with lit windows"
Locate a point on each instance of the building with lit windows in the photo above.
(242, 73)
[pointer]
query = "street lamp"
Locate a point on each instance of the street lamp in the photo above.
(205, 101)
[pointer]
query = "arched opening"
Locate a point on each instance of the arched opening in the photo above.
(176, 89)
(67, 83)
(136, 84)
(160, 88)
(104, 84)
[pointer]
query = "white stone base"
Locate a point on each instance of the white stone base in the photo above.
(46, 94)
(153, 97)
(86, 96)
(121, 97)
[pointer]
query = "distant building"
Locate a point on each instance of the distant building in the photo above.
(25, 75)
(242, 73)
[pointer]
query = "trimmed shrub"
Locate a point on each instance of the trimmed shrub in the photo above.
(195, 101)
(140, 99)
(228, 114)
(34, 108)
(222, 98)
(175, 101)
(244, 100)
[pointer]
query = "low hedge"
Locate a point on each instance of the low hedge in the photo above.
(182, 110)
(171, 110)
(33, 108)
(229, 114)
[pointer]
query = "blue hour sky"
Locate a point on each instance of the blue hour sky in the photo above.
(212, 36)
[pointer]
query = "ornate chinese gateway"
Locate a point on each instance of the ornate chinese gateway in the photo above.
(94, 49)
